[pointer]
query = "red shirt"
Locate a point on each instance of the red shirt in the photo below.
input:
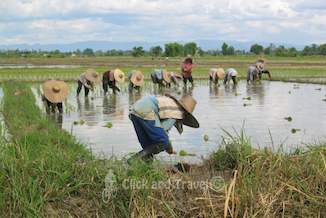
(109, 75)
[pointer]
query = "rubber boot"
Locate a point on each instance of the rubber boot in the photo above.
(148, 152)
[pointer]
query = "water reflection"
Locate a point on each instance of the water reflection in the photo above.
(56, 119)
(218, 109)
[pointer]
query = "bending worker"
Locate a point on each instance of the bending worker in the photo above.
(157, 77)
(252, 74)
(231, 73)
(87, 79)
(215, 74)
(55, 92)
(109, 79)
(154, 116)
(136, 80)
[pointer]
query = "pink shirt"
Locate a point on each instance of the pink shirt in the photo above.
(187, 69)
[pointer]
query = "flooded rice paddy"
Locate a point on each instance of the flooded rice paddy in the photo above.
(257, 111)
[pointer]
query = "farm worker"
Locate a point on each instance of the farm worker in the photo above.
(252, 74)
(55, 92)
(157, 77)
(154, 116)
(215, 74)
(136, 80)
(174, 78)
(187, 68)
(87, 79)
(264, 71)
(231, 73)
(109, 79)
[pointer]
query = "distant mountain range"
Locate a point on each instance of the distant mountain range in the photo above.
(107, 45)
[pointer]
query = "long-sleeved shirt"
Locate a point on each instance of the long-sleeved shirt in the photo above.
(252, 73)
(109, 75)
(174, 78)
(230, 72)
(157, 73)
(85, 82)
(161, 109)
(213, 73)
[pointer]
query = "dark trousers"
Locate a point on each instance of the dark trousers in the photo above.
(80, 85)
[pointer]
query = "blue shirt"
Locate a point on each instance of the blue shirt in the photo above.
(147, 108)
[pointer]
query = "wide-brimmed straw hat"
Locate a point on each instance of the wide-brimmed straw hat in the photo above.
(166, 76)
(137, 78)
(55, 91)
(178, 75)
(260, 66)
(92, 75)
(220, 73)
(119, 76)
(188, 103)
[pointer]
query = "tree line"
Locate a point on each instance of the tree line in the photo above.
(175, 50)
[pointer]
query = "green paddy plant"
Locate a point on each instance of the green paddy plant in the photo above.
(45, 164)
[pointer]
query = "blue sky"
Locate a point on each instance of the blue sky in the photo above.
(300, 22)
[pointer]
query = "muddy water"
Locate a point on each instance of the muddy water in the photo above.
(225, 108)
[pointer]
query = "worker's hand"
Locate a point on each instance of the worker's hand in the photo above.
(91, 88)
(169, 149)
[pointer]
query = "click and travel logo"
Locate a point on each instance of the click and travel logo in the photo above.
(215, 183)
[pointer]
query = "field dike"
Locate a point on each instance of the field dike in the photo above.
(45, 172)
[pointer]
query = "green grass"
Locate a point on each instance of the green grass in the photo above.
(45, 172)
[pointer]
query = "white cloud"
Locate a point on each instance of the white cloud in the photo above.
(59, 21)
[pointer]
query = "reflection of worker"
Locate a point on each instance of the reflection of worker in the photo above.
(55, 92)
(187, 68)
(215, 74)
(87, 79)
(109, 79)
(174, 78)
(252, 74)
(231, 73)
(157, 77)
(154, 116)
(136, 80)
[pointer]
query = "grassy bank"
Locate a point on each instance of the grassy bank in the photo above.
(45, 172)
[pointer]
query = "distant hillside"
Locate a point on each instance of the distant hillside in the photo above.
(106, 45)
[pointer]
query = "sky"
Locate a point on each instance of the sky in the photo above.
(301, 22)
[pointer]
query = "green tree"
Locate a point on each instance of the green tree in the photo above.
(189, 48)
(230, 50)
(307, 51)
(322, 49)
(292, 52)
(88, 51)
(267, 51)
(99, 53)
(224, 48)
(201, 52)
(173, 49)
(156, 51)
(281, 51)
(138, 51)
(256, 49)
